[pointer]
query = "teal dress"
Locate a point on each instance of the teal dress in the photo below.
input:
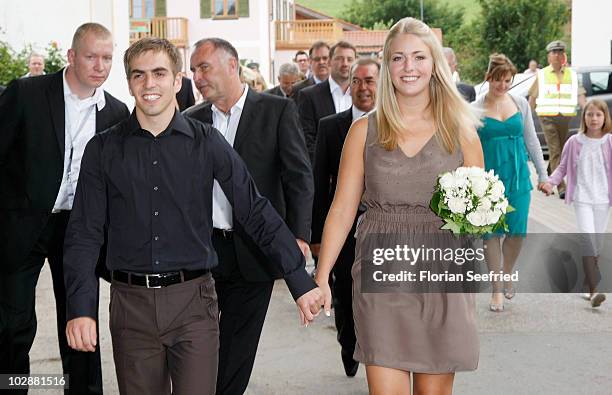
(505, 153)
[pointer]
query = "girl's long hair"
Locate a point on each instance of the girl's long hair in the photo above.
(452, 114)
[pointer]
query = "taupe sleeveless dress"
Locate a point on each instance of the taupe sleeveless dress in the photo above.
(417, 332)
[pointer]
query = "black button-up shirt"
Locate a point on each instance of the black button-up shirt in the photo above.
(154, 197)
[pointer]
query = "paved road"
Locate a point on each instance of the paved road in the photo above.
(541, 344)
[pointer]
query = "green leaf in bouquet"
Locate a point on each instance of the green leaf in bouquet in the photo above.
(510, 209)
(452, 226)
(435, 202)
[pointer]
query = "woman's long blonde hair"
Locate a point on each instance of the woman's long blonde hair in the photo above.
(452, 114)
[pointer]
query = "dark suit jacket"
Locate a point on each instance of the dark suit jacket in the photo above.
(270, 142)
(332, 133)
(184, 97)
(276, 91)
(314, 103)
(298, 86)
(467, 91)
(32, 146)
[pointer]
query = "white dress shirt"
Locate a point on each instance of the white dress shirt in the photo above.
(357, 113)
(80, 127)
(342, 100)
(227, 124)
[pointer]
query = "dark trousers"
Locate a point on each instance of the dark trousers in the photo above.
(18, 295)
(165, 340)
(343, 296)
(243, 306)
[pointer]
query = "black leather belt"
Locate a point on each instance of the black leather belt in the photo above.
(223, 233)
(157, 280)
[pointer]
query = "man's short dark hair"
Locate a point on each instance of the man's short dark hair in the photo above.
(219, 43)
(317, 45)
(156, 45)
(298, 53)
(342, 44)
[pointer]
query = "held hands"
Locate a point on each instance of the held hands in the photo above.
(545, 187)
(81, 334)
(323, 283)
(309, 305)
(315, 248)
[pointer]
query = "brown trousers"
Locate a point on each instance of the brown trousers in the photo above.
(555, 132)
(165, 340)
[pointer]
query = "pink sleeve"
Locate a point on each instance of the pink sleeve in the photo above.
(561, 170)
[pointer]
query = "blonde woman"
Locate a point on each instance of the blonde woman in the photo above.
(390, 162)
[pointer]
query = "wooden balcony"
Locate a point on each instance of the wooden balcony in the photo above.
(174, 30)
(300, 34)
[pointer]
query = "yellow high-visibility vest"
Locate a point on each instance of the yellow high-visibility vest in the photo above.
(557, 97)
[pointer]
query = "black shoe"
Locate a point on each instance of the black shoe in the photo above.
(562, 195)
(350, 365)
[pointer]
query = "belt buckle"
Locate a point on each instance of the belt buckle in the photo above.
(156, 275)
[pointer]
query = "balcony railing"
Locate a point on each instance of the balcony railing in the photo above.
(173, 29)
(300, 34)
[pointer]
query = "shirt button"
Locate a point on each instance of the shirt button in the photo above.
(157, 262)
(156, 238)
(156, 213)
(154, 162)
(155, 188)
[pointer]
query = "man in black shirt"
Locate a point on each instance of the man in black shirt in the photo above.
(149, 181)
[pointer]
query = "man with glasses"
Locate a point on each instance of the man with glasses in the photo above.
(555, 94)
(301, 60)
(319, 67)
(332, 133)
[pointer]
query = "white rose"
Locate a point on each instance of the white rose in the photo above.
(484, 204)
(479, 186)
(461, 172)
(475, 172)
(502, 206)
(492, 216)
(497, 191)
(477, 218)
(457, 205)
(447, 181)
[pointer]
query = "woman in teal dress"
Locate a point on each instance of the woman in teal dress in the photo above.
(508, 140)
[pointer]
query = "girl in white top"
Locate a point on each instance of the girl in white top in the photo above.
(588, 170)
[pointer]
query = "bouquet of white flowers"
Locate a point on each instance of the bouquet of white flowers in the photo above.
(471, 201)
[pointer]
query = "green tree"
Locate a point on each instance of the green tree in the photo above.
(12, 65)
(368, 14)
(55, 60)
(521, 28)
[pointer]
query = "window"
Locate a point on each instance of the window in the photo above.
(147, 8)
(601, 82)
(225, 8)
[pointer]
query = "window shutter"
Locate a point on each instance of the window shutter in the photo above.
(243, 8)
(205, 9)
(160, 7)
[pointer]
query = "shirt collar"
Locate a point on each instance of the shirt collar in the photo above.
(238, 106)
(178, 123)
(357, 113)
(316, 80)
(333, 86)
(97, 99)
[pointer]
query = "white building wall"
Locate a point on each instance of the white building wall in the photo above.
(591, 33)
(250, 35)
(38, 22)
